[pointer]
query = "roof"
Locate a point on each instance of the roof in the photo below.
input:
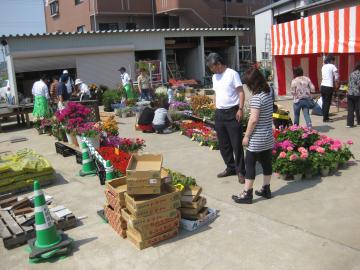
(271, 6)
(126, 31)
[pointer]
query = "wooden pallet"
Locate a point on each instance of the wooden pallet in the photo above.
(14, 234)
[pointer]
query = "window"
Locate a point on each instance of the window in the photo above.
(81, 28)
(54, 8)
(265, 55)
(108, 26)
(239, 1)
(77, 2)
(130, 25)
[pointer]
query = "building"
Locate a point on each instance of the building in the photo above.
(95, 57)
(93, 15)
(288, 10)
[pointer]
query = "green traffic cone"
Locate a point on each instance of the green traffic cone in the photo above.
(88, 165)
(109, 171)
(48, 242)
(46, 235)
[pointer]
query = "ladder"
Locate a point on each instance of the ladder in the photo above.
(173, 68)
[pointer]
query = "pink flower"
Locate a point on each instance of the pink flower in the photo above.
(304, 136)
(350, 142)
(301, 149)
(313, 148)
(320, 150)
(282, 155)
(293, 157)
(273, 152)
(304, 155)
(289, 148)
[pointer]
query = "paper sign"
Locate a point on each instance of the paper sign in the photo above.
(212, 147)
(193, 138)
(153, 181)
(201, 143)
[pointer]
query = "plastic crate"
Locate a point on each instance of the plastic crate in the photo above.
(64, 150)
(100, 172)
(78, 157)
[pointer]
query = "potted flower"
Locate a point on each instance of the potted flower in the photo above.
(45, 126)
(71, 117)
(110, 126)
(345, 154)
(91, 131)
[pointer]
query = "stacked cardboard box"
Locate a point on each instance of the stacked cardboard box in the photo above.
(115, 201)
(144, 174)
(192, 204)
(152, 218)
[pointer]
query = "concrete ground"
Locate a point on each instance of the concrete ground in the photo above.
(309, 224)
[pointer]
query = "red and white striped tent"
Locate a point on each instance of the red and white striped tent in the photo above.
(303, 43)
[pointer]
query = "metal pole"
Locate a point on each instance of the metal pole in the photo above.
(153, 13)
(226, 14)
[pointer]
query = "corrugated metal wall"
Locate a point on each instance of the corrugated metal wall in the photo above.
(103, 68)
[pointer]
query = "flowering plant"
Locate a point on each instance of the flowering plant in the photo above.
(73, 116)
(298, 149)
(110, 126)
(125, 144)
(180, 106)
(119, 161)
(89, 129)
(197, 102)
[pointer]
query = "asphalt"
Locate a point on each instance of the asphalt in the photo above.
(309, 224)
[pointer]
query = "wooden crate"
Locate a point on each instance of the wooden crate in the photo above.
(14, 234)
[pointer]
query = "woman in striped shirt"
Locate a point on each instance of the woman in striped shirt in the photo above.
(258, 137)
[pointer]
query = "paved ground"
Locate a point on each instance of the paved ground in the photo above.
(312, 224)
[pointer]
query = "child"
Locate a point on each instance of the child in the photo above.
(162, 118)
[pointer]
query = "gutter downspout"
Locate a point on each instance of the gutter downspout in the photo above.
(95, 24)
(153, 13)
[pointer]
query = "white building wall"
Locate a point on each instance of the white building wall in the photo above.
(263, 24)
(103, 68)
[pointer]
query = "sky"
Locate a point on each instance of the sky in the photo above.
(21, 17)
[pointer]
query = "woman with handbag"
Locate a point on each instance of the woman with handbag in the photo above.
(301, 87)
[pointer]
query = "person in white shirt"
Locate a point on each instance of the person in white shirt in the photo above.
(330, 79)
(82, 90)
(230, 98)
(41, 95)
(126, 83)
(162, 118)
(170, 93)
(69, 82)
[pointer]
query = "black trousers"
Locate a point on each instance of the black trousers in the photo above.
(230, 134)
(264, 157)
(326, 94)
(353, 107)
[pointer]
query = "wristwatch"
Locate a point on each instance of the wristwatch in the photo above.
(240, 109)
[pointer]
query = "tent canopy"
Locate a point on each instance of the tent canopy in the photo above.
(302, 43)
(336, 31)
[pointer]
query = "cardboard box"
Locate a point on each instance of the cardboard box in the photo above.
(153, 220)
(152, 231)
(191, 194)
(198, 204)
(144, 190)
(201, 214)
(145, 205)
(192, 225)
(115, 192)
(115, 221)
(145, 166)
(150, 242)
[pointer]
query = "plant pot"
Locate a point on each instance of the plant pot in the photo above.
(298, 177)
(69, 138)
(308, 175)
(95, 141)
(284, 177)
(277, 175)
(123, 115)
(78, 139)
(324, 171)
(74, 140)
(40, 131)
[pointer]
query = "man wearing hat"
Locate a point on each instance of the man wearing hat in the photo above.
(126, 83)
(82, 89)
(69, 82)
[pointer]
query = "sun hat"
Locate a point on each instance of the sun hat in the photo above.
(78, 81)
